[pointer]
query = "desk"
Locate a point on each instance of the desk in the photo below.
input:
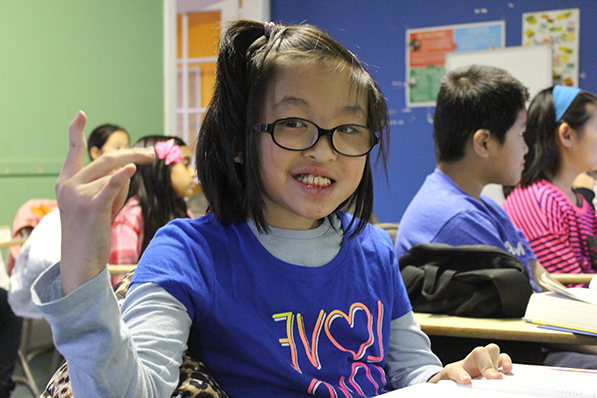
(572, 278)
(12, 242)
(121, 269)
(496, 329)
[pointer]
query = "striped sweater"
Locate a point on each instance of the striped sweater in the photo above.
(555, 227)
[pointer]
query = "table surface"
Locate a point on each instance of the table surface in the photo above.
(573, 278)
(12, 242)
(497, 329)
(121, 269)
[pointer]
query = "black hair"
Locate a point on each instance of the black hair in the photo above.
(152, 185)
(543, 159)
(473, 98)
(100, 135)
(247, 61)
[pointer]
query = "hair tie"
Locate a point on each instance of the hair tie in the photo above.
(269, 28)
(562, 98)
(169, 151)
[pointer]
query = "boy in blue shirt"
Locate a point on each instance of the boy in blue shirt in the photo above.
(479, 123)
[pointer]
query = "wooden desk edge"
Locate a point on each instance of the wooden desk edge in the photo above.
(12, 242)
(496, 329)
(121, 269)
(573, 278)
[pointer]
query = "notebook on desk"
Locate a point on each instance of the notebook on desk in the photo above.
(566, 309)
(524, 381)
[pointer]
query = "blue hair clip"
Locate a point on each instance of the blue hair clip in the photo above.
(562, 98)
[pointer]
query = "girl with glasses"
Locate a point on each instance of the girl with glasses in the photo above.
(278, 290)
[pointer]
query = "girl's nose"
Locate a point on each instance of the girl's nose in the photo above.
(526, 147)
(322, 151)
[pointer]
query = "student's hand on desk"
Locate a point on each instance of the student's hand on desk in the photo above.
(482, 361)
(89, 198)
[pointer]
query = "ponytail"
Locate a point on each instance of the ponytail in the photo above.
(222, 137)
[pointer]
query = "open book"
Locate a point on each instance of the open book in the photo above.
(568, 309)
(524, 381)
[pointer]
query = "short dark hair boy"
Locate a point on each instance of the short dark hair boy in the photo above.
(478, 97)
(478, 126)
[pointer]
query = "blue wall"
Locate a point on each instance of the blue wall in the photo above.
(375, 31)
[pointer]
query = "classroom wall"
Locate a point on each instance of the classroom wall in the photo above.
(375, 31)
(59, 56)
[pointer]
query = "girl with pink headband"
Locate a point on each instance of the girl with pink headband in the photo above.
(156, 196)
(557, 221)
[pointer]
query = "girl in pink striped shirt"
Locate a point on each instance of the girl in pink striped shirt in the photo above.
(562, 138)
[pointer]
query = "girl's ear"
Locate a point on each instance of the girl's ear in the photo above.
(94, 153)
(481, 142)
(564, 135)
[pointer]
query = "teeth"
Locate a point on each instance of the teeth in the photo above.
(314, 180)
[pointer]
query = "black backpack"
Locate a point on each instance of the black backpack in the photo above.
(474, 281)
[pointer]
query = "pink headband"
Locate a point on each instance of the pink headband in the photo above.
(169, 151)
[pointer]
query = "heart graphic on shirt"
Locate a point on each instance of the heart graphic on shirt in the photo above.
(350, 319)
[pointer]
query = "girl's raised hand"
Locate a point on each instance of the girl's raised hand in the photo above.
(482, 361)
(89, 198)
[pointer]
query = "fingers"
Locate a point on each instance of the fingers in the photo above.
(482, 361)
(77, 146)
(488, 359)
(453, 371)
(505, 363)
(111, 162)
(107, 164)
(116, 190)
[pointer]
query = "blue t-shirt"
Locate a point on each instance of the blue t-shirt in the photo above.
(268, 328)
(442, 212)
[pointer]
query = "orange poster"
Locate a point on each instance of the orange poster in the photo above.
(426, 54)
(430, 48)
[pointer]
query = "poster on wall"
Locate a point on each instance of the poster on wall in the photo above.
(559, 28)
(426, 50)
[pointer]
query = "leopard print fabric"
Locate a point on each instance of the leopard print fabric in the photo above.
(196, 381)
(59, 385)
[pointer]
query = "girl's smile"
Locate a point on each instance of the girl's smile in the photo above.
(302, 187)
(315, 179)
(312, 181)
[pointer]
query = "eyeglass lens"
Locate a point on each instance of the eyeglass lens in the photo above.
(299, 134)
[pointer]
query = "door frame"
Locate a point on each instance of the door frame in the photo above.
(258, 10)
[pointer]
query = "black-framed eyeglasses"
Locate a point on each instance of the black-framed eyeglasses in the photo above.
(296, 134)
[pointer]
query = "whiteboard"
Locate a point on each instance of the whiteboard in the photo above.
(532, 65)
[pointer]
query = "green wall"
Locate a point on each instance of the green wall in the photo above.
(56, 57)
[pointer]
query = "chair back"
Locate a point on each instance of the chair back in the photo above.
(391, 228)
